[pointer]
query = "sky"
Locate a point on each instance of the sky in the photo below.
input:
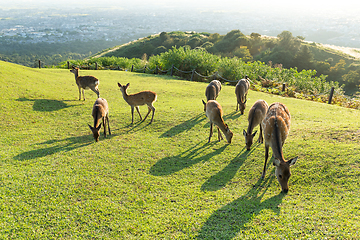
(331, 6)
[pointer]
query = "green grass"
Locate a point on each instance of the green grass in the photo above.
(164, 181)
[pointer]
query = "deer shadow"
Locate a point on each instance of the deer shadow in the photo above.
(220, 179)
(184, 126)
(233, 115)
(194, 155)
(46, 105)
(67, 144)
(231, 219)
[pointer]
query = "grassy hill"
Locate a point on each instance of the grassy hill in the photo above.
(164, 180)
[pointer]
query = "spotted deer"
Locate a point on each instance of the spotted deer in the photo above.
(276, 126)
(241, 90)
(100, 112)
(212, 90)
(138, 99)
(85, 82)
(214, 112)
(256, 114)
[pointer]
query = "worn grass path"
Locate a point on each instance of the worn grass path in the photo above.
(164, 180)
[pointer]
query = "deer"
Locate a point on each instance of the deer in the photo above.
(241, 90)
(85, 82)
(138, 99)
(256, 114)
(214, 112)
(100, 111)
(212, 90)
(276, 127)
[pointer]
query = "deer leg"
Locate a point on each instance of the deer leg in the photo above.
(83, 92)
(104, 121)
(107, 119)
(153, 113)
(211, 131)
(137, 109)
(220, 137)
(260, 140)
(149, 110)
(266, 158)
(132, 114)
(79, 93)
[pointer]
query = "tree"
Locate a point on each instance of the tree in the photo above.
(303, 59)
(351, 79)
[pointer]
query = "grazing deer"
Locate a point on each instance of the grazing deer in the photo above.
(100, 111)
(214, 112)
(276, 126)
(212, 90)
(85, 82)
(241, 90)
(138, 99)
(256, 115)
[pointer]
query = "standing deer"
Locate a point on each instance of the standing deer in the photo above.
(214, 112)
(138, 99)
(212, 90)
(85, 82)
(241, 90)
(256, 115)
(100, 111)
(276, 125)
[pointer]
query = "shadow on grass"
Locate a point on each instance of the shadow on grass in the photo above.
(219, 180)
(184, 126)
(45, 105)
(233, 115)
(233, 218)
(193, 155)
(62, 145)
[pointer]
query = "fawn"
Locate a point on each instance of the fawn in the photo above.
(241, 90)
(100, 111)
(85, 82)
(137, 99)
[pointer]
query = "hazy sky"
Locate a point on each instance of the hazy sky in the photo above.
(331, 6)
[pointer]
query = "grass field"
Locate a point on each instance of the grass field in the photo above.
(164, 180)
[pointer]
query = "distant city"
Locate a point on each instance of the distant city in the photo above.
(120, 25)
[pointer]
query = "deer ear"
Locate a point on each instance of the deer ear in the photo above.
(276, 162)
(203, 102)
(292, 161)
(91, 128)
(119, 84)
(127, 85)
(254, 133)
(98, 128)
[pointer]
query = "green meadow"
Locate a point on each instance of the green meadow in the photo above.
(164, 180)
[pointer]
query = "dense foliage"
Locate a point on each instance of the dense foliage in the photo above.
(269, 78)
(285, 49)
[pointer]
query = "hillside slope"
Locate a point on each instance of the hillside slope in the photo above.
(165, 180)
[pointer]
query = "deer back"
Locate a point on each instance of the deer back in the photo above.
(212, 90)
(241, 90)
(214, 112)
(276, 126)
(84, 82)
(100, 110)
(256, 115)
(87, 82)
(137, 99)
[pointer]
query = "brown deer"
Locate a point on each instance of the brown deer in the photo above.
(212, 90)
(214, 112)
(256, 115)
(138, 99)
(85, 82)
(241, 90)
(100, 111)
(276, 126)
